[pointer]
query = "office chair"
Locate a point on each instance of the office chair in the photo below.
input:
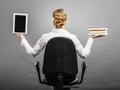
(60, 67)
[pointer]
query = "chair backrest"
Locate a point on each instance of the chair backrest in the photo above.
(60, 56)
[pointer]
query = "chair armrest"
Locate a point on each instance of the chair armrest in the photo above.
(37, 65)
(84, 65)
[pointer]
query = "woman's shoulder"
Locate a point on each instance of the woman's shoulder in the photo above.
(73, 35)
(45, 34)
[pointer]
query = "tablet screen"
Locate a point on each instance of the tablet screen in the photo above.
(20, 23)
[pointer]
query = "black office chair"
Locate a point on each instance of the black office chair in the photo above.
(60, 65)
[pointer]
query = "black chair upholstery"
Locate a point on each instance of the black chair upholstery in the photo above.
(60, 66)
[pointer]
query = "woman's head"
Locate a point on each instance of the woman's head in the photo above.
(59, 17)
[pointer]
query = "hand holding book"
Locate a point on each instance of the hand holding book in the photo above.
(96, 36)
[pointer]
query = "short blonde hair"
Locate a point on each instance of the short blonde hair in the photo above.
(59, 17)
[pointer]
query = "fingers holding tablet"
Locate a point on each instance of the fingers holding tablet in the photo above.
(20, 35)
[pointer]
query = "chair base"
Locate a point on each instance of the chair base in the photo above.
(73, 84)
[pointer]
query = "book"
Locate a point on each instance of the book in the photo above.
(97, 31)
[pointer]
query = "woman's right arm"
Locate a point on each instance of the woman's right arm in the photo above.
(31, 51)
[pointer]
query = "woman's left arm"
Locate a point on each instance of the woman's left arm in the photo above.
(84, 52)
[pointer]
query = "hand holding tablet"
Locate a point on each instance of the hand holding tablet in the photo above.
(20, 35)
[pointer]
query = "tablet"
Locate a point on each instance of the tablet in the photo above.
(20, 21)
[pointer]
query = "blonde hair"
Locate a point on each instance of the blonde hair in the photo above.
(59, 17)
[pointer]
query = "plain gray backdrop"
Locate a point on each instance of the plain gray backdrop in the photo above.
(17, 71)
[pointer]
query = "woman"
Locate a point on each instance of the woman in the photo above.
(59, 21)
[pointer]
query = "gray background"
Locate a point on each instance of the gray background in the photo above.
(17, 71)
